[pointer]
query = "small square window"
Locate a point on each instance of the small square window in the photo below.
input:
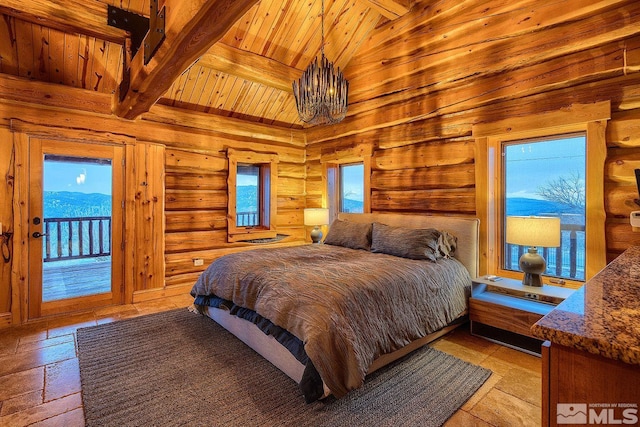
(248, 196)
(352, 188)
(252, 185)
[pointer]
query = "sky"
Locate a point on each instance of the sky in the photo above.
(352, 182)
(80, 177)
(531, 165)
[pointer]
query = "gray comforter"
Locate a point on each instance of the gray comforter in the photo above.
(347, 306)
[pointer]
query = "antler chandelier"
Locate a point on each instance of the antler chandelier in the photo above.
(322, 92)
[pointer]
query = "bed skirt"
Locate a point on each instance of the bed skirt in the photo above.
(282, 358)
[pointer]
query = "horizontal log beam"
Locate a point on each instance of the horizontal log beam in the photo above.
(195, 162)
(238, 133)
(414, 36)
(624, 130)
(195, 240)
(465, 94)
(434, 65)
(195, 200)
(407, 134)
(177, 178)
(204, 121)
(250, 66)
(191, 28)
(619, 200)
(53, 95)
(425, 155)
(620, 166)
(195, 220)
(88, 17)
(448, 200)
(181, 264)
(437, 177)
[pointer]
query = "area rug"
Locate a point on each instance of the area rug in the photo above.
(178, 368)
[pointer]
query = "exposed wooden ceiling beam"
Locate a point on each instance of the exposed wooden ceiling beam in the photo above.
(214, 122)
(250, 66)
(87, 17)
(191, 28)
(391, 9)
(54, 95)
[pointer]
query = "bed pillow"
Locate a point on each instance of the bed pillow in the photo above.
(447, 244)
(413, 243)
(349, 234)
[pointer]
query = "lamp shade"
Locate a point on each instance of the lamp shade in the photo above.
(533, 231)
(316, 216)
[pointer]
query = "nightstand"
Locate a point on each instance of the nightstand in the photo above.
(504, 310)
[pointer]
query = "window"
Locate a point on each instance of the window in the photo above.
(530, 166)
(347, 180)
(248, 195)
(546, 177)
(352, 188)
(252, 195)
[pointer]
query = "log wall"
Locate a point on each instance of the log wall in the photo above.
(176, 190)
(420, 83)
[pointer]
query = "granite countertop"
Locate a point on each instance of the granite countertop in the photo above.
(603, 316)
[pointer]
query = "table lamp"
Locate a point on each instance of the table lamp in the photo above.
(316, 217)
(533, 231)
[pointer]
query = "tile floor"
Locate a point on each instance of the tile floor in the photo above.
(40, 380)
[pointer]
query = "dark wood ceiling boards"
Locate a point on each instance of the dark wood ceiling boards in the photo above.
(246, 74)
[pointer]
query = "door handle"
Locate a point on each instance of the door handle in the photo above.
(37, 234)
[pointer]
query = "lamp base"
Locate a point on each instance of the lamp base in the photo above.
(533, 265)
(316, 234)
(532, 279)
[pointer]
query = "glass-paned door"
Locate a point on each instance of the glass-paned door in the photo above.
(75, 227)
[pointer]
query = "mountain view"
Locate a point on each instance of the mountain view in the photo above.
(246, 197)
(65, 204)
(518, 206)
(353, 205)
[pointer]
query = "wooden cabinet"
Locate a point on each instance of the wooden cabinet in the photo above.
(504, 310)
(591, 354)
(583, 388)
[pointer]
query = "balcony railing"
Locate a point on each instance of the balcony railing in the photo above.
(76, 238)
(246, 219)
(565, 261)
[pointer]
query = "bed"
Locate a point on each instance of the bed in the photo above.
(329, 314)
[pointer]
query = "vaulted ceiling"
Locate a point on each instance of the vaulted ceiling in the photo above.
(234, 58)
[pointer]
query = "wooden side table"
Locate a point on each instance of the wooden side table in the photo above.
(504, 310)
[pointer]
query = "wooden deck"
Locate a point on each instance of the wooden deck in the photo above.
(61, 281)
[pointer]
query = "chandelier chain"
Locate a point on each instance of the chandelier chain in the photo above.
(322, 20)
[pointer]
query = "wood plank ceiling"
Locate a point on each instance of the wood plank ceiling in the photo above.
(246, 74)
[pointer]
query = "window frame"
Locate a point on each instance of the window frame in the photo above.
(591, 120)
(267, 195)
(331, 164)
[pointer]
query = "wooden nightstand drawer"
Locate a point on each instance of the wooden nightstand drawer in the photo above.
(499, 316)
(504, 310)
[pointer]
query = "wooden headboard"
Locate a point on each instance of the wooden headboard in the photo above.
(465, 229)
